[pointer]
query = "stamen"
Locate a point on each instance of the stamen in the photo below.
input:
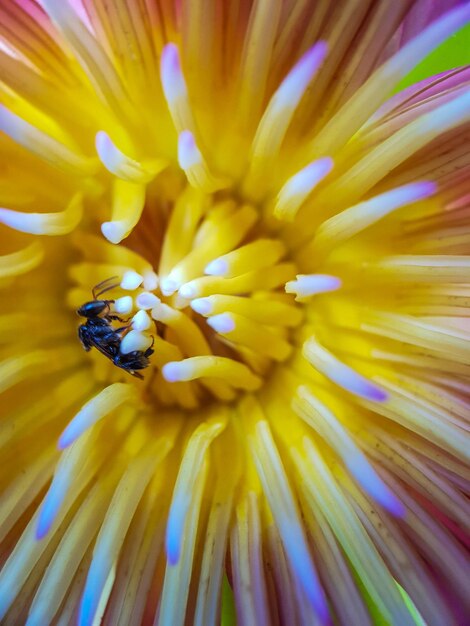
(135, 340)
(222, 323)
(128, 204)
(239, 375)
(252, 256)
(190, 160)
(355, 219)
(296, 190)
(59, 223)
(308, 285)
(95, 409)
(340, 373)
(122, 166)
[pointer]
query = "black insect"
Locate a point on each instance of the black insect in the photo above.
(97, 332)
(136, 360)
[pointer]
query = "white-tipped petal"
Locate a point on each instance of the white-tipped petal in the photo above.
(141, 321)
(168, 286)
(174, 89)
(211, 366)
(150, 280)
(131, 280)
(217, 267)
(147, 300)
(278, 115)
(103, 403)
(307, 285)
(325, 422)
(203, 306)
(191, 160)
(353, 220)
(222, 323)
(123, 305)
(296, 190)
(22, 261)
(189, 154)
(59, 223)
(174, 371)
(114, 231)
(340, 373)
(127, 206)
(174, 86)
(121, 165)
(188, 291)
(45, 146)
(135, 340)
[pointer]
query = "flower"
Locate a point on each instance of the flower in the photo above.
(280, 251)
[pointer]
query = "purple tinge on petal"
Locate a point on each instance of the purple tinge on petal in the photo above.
(49, 510)
(401, 196)
(69, 435)
(357, 384)
(366, 475)
(296, 82)
(420, 92)
(171, 371)
(302, 565)
(188, 152)
(91, 596)
(175, 528)
(170, 71)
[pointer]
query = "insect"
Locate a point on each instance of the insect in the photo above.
(97, 332)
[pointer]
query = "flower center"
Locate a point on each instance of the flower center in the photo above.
(202, 285)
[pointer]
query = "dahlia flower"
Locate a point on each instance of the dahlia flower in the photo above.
(274, 390)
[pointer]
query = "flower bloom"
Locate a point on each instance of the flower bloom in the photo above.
(282, 250)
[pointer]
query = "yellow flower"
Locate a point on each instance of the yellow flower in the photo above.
(269, 258)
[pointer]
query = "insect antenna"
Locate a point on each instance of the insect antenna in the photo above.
(105, 285)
